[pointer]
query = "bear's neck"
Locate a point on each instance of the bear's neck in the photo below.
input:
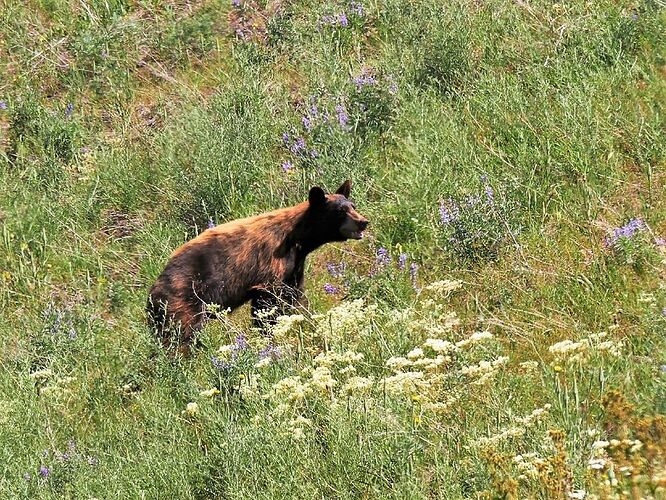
(301, 231)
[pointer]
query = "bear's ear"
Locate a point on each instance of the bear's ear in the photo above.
(345, 189)
(317, 197)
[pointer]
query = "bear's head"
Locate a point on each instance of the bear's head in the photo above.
(334, 216)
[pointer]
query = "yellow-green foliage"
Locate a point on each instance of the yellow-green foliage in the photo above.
(499, 333)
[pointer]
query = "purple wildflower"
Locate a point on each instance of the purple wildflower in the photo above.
(328, 19)
(336, 270)
(270, 351)
(44, 471)
(3, 105)
(413, 269)
(313, 111)
(382, 259)
(285, 138)
(287, 166)
(307, 123)
(313, 153)
(473, 200)
(625, 232)
(365, 78)
(660, 242)
(330, 289)
(356, 8)
(490, 194)
(402, 261)
(342, 19)
(211, 223)
(448, 211)
(235, 3)
(69, 110)
(241, 342)
(219, 364)
(298, 146)
(343, 117)
(393, 86)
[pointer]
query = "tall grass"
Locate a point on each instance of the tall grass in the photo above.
(511, 153)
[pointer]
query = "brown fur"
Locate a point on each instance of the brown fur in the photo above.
(259, 259)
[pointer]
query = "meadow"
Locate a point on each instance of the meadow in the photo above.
(499, 331)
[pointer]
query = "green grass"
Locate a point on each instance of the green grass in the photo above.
(177, 115)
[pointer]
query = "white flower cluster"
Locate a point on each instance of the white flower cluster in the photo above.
(599, 459)
(345, 320)
(485, 370)
(443, 287)
(579, 352)
(516, 430)
(285, 324)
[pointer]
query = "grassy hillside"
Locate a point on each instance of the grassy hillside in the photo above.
(499, 333)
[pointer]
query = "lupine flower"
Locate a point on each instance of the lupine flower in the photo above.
(44, 471)
(270, 351)
(298, 146)
(342, 19)
(336, 270)
(490, 194)
(660, 242)
(285, 138)
(287, 166)
(235, 3)
(313, 111)
(402, 261)
(328, 19)
(473, 200)
(356, 8)
(330, 289)
(625, 232)
(241, 342)
(383, 258)
(69, 110)
(343, 117)
(219, 364)
(413, 269)
(3, 105)
(365, 78)
(211, 223)
(448, 211)
(307, 123)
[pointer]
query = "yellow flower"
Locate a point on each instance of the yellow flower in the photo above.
(557, 368)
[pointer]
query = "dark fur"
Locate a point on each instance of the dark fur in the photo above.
(259, 259)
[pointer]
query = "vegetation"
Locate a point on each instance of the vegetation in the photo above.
(497, 334)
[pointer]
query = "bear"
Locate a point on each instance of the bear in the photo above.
(259, 259)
